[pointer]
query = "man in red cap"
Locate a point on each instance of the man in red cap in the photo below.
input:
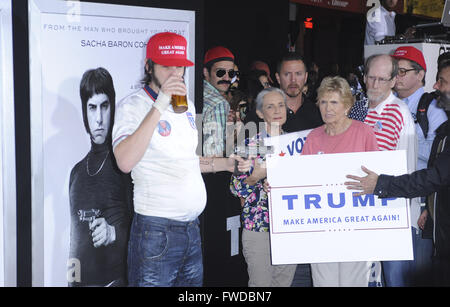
(260, 65)
(158, 146)
(218, 72)
(409, 87)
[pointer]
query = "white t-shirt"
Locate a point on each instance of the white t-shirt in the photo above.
(379, 24)
(167, 180)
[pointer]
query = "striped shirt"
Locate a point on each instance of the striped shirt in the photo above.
(394, 129)
(387, 125)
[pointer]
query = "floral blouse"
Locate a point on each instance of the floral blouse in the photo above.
(255, 212)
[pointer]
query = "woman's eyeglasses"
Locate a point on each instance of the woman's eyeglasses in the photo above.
(231, 73)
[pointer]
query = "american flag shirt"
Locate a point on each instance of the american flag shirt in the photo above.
(394, 129)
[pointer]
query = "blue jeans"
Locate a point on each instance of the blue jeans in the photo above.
(165, 253)
(406, 273)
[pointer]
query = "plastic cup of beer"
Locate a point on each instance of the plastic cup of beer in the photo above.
(179, 103)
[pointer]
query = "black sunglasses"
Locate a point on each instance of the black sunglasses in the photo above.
(231, 73)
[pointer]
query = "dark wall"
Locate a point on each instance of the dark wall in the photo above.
(336, 38)
(22, 134)
(251, 29)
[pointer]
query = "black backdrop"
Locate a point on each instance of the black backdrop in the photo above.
(251, 29)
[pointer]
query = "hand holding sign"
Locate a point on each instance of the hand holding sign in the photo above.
(315, 218)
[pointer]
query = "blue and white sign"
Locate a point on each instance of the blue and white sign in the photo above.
(314, 218)
(288, 144)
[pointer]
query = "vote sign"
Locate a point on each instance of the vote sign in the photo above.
(314, 218)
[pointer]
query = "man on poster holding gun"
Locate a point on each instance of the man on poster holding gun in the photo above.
(99, 193)
(102, 233)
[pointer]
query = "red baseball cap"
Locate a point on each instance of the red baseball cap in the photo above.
(168, 49)
(410, 53)
(217, 54)
(260, 65)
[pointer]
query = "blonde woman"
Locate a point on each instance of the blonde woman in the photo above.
(339, 134)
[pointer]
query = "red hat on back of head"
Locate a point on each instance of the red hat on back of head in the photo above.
(168, 49)
(260, 65)
(410, 53)
(217, 54)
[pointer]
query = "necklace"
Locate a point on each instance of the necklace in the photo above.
(100, 168)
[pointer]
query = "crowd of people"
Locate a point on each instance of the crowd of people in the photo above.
(388, 115)
(158, 147)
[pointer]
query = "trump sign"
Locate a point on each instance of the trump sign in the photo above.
(314, 218)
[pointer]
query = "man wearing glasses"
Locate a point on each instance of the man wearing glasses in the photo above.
(218, 72)
(395, 130)
(409, 88)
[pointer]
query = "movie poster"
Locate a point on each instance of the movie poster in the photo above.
(77, 48)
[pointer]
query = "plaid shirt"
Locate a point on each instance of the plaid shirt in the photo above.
(215, 112)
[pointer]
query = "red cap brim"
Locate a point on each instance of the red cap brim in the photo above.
(173, 62)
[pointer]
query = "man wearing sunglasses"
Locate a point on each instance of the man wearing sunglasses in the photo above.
(218, 72)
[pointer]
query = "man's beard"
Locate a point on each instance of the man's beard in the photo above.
(156, 81)
(443, 100)
(374, 98)
(293, 91)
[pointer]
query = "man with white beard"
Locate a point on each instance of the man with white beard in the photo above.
(394, 129)
(434, 179)
(388, 115)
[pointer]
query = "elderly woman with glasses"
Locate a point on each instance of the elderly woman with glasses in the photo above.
(339, 134)
(271, 107)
